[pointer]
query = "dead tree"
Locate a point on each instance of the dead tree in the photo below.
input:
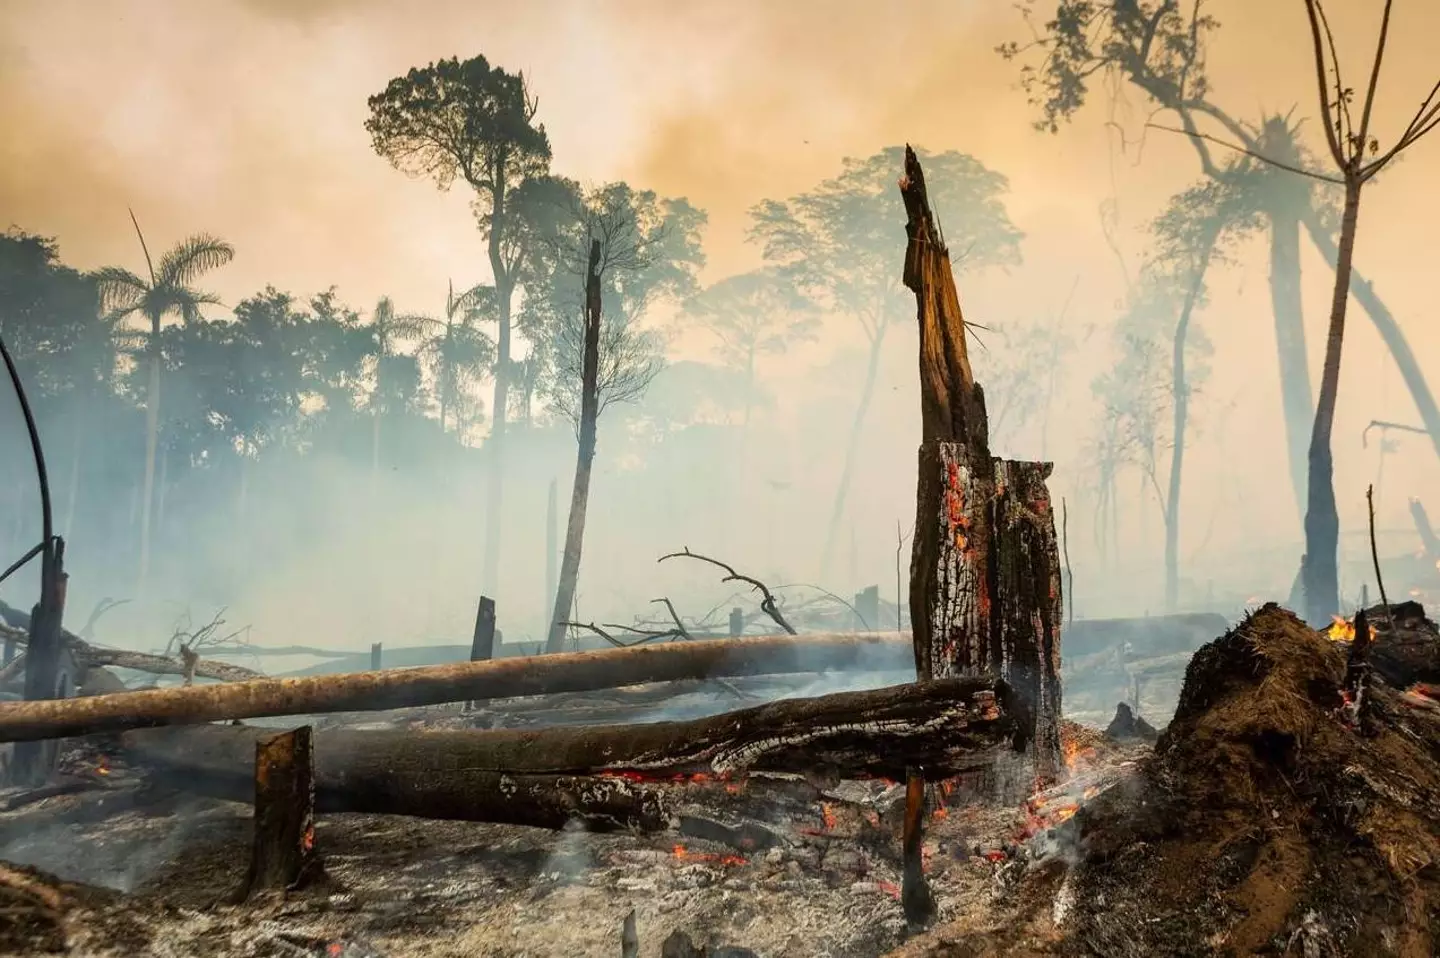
(949, 726)
(438, 684)
(985, 592)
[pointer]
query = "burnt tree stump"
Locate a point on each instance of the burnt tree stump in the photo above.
(283, 857)
(985, 588)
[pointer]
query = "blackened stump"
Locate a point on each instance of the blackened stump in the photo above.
(985, 595)
(283, 856)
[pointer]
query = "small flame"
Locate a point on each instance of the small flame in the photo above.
(307, 841)
(827, 812)
(941, 813)
(1076, 755)
(1341, 630)
(889, 888)
(334, 948)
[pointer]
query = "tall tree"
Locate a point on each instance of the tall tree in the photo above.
(474, 121)
(1162, 361)
(169, 291)
(752, 314)
(1357, 156)
(1159, 47)
(65, 353)
(837, 241)
(639, 248)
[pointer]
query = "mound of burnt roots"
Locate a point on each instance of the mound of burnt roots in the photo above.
(1275, 816)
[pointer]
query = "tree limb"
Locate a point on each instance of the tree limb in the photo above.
(767, 602)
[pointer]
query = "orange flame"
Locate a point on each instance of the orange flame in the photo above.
(828, 814)
(889, 888)
(1343, 630)
(307, 841)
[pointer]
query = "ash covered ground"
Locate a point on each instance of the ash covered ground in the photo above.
(1272, 818)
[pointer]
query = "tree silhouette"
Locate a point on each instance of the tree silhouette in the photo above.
(472, 121)
(837, 242)
(168, 291)
(752, 314)
(1159, 47)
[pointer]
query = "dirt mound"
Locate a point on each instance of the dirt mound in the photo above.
(1268, 821)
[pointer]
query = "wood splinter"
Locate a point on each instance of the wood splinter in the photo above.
(284, 857)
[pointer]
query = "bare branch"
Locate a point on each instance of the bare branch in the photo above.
(679, 625)
(1323, 177)
(1364, 137)
(1318, 46)
(767, 602)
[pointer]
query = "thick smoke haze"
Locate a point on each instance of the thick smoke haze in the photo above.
(246, 120)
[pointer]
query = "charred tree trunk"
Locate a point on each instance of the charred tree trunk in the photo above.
(585, 455)
(283, 856)
(985, 565)
(439, 684)
(949, 727)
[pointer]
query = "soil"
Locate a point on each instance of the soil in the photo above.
(1268, 821)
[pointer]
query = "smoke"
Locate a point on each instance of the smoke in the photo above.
(245, 119)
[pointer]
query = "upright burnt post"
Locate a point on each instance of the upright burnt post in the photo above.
(985, 564)
(284, 855)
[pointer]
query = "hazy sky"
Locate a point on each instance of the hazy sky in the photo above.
(245, 118)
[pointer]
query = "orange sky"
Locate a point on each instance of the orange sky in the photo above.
(245, 118)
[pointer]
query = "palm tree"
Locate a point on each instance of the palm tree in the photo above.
(170, 290)
(387, 328)
(459, 350)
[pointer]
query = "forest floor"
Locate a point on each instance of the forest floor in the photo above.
(1270, 819)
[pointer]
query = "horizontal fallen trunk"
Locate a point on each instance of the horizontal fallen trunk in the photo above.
(90, 656)
(947, 727)
(435, 685)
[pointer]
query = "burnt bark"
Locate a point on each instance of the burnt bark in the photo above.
(948, 727)
(440, 684)
(283, 856)
(584, 457)
(985, 593)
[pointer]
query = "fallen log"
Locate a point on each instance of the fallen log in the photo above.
(947, 727)
(436, 685)
(90, 656)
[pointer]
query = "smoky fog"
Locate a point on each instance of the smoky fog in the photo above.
(276, 502)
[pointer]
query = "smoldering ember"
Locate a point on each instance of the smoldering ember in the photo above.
(754, 715)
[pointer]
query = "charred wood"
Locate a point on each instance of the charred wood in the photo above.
(283, 856)
(985, 594)
(947, 726)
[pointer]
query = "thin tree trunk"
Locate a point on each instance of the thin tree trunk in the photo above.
(1297, 401)
(1177, 451)
(495, 490)
(852, 448)
(1322, 521)
(152, 435)
(1388, 329)
(585, 457)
